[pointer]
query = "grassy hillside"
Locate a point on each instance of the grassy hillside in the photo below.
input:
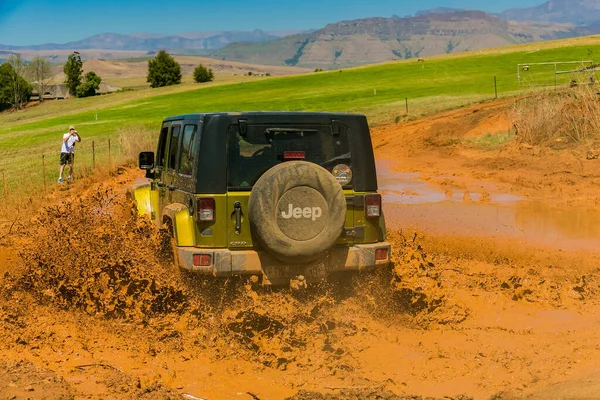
(439, 82)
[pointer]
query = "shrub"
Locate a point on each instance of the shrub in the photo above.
(163, 70)
(203, 74)
(89, 87)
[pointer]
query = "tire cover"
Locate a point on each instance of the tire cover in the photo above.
(297, 211)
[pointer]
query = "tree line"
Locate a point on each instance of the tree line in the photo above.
(163, 70)
(18, 79)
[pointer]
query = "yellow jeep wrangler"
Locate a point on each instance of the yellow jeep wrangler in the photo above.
(278, 195)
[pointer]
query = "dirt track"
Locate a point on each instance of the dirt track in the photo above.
(88, 308)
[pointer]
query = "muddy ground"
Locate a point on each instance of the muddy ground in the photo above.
(494, 292)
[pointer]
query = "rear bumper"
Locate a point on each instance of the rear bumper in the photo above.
(249, 262)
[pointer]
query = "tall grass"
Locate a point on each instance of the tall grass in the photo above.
(570, 115)
(134, 139)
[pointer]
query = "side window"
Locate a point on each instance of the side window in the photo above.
(162, 144)
(174, 146)
(188, 151)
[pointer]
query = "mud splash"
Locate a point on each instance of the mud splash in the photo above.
(112, 303)
(281, 331)
(96, 255)
(412, 290)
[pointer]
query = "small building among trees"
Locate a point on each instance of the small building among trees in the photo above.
(60, 91)
(51, 92)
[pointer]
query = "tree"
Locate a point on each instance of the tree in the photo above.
(89, 87)
(19, 88)
(73, 72)
(163, 70)
(8, 81)
(202, 74)
(14, 90)
(39, 73)
(6, 72)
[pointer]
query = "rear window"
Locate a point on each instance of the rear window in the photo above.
(188, 151)
(264, 146)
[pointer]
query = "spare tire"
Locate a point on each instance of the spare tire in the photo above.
(297, 211)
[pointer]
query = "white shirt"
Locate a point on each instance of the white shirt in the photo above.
(69, 145)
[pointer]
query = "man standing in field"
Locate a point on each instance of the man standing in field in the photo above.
(67, 152)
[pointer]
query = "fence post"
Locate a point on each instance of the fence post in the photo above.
(495, 87)
(109, 156)
(93, 155)
(4, 183)
(406, 99)
(44, 171)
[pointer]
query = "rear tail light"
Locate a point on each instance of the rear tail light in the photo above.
(294, 155)
(373, 205)
(205, 209)
(202, 260)
(381, 254)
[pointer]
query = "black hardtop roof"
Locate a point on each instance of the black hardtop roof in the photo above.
(276, 114)
(216, 132)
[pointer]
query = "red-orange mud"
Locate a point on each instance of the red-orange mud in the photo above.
(497, 295)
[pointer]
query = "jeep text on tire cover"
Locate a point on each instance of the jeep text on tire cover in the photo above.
(306, 212)
(266, 193)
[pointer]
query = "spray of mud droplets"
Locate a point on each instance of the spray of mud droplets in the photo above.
(94, 254)
(411, 289)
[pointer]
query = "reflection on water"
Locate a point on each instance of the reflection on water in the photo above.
(412, 203)
(408, 188)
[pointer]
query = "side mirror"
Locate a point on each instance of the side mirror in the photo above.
(146, 160)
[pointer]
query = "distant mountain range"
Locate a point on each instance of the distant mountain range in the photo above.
(577, 12)
(439, 10)
(349, 43)
(150, 41)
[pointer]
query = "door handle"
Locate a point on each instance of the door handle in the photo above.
(237, 206)
(172, 187)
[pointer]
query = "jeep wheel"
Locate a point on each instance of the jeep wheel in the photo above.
(297, 211)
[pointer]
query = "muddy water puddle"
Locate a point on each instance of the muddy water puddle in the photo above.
(411, 202)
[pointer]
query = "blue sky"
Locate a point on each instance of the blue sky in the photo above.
(24, 22)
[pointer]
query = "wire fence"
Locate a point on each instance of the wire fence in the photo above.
(30, 171)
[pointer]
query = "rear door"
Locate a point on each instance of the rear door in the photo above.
(257, 147)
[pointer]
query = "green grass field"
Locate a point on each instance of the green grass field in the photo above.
(438, 83)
